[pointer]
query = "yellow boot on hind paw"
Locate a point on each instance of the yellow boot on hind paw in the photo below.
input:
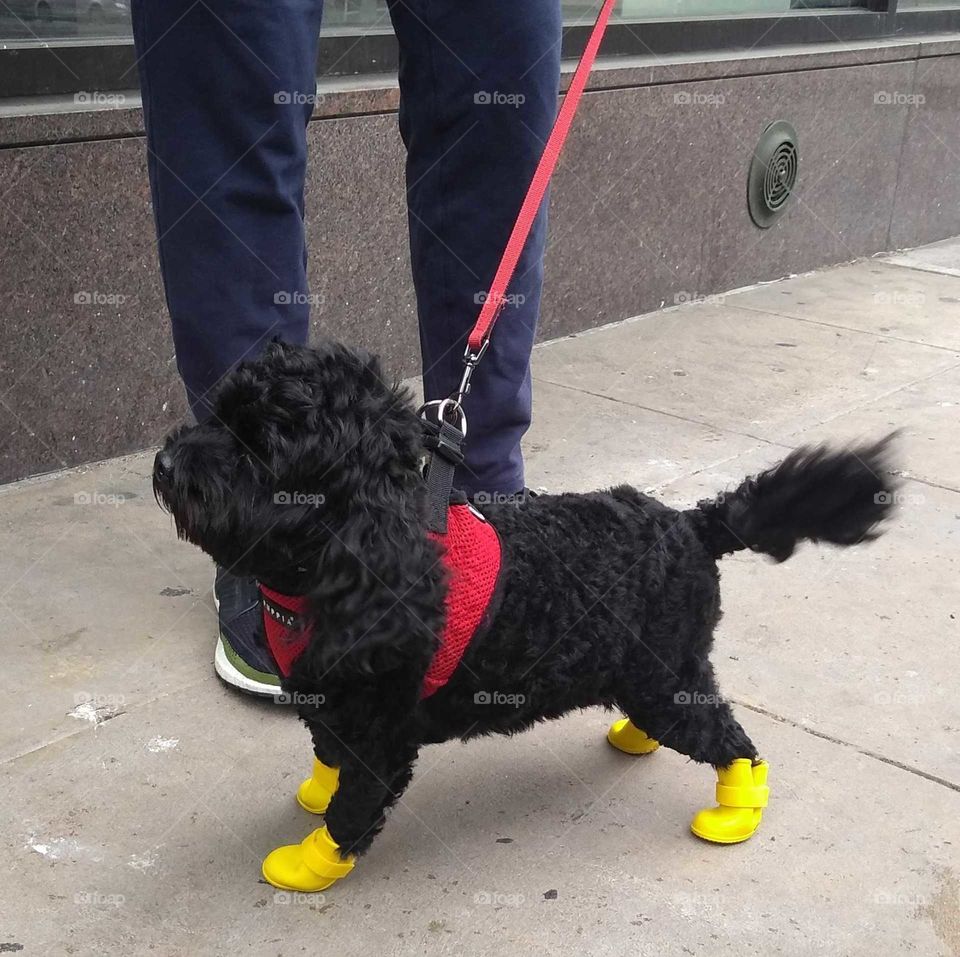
(625, 736)
(315, 793)
(742, 794)
(313, 865)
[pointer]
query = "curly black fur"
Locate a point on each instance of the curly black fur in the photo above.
(608, 598)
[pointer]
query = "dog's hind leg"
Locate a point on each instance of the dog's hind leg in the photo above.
(625, 736)
(697, 721)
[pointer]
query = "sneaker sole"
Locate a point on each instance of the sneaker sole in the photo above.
(232, 675)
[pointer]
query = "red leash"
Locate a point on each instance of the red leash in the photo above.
(496, 297)
(473, 578)
(444, 419)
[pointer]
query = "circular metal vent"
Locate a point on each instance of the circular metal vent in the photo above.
(773, 173)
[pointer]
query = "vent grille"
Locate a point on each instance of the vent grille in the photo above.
(773, 173)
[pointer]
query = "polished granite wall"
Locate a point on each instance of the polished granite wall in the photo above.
(648, 209)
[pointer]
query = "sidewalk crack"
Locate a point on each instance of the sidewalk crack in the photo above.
(866, 752)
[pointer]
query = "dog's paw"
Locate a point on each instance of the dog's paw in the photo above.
(625, 736)
(315, 793)
(308, 867)
(742, 794)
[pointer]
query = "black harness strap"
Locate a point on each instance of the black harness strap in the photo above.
(444, 442)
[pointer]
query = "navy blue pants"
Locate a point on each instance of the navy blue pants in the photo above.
(227, 90)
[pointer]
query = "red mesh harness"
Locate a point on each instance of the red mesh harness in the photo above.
(472, 556)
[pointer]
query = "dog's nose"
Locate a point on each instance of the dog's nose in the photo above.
(163, 464)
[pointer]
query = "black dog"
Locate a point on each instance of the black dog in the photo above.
(608, 598)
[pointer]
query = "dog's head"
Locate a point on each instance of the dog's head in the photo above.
(302, 442)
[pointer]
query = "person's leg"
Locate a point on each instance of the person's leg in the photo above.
(479, 85)
(228, 87)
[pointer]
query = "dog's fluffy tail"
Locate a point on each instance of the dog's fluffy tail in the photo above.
(815, 494)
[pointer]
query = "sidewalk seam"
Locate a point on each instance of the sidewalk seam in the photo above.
(866, 752)
(647, 408)
(836, 325)
(928, 270)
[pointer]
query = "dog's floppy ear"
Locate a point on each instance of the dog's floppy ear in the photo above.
(377, 605)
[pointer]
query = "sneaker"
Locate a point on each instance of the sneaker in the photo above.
(242, 658)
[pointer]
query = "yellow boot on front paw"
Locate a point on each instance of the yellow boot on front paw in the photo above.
(310, 866)
(315, 793)
(742, 794)
(625, 736)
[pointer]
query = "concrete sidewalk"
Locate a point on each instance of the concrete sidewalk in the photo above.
(140, 795)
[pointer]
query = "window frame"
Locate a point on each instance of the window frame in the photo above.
(59, 68)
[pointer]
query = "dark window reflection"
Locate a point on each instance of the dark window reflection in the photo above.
(39, 20)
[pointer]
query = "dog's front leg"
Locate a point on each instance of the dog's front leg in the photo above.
(368, 787)
(371, 776)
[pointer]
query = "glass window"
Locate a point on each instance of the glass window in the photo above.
(685, 9)
(33, 20)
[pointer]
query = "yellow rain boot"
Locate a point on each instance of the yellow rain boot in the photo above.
(314, 794)
(625, 736)
(311, 866)
(742, 795)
